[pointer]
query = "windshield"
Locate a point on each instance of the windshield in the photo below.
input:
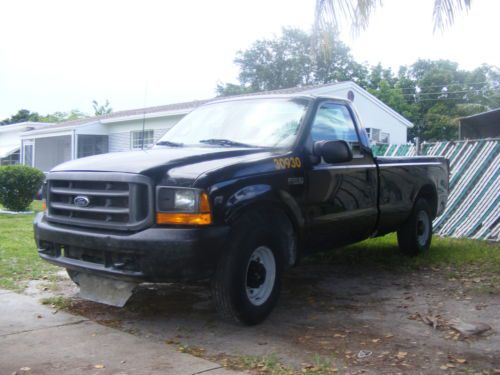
(240, 123)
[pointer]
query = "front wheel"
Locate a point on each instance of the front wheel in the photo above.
(247, 282)
(415, 235)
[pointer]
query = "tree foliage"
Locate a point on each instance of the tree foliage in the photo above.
(100, 110)
(431, 94)
(74, 114)
(22, 115)
(291, 60)
(274, 63)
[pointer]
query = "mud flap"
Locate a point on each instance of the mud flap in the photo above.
(105, 290)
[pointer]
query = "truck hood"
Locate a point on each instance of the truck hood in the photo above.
(158, 159)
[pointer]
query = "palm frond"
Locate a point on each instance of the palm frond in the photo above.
(329, 14)
(445, 11)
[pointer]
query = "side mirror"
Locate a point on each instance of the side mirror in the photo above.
(333, 151)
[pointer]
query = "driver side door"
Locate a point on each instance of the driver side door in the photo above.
(341, 198)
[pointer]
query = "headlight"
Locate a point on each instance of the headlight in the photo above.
(182, 206)
(185, 200)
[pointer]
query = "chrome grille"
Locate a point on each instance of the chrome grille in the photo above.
(117, 201)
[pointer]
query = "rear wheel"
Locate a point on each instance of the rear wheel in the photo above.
(415, 234)
(247, 282)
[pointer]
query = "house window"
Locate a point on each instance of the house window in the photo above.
(373, 134)
(140, 139)
(12, 159)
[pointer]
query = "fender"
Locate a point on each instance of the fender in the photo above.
(263, 195)
(428, 185)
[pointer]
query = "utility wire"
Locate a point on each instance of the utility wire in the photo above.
(453, 83)
(426, 87)
(447, 92)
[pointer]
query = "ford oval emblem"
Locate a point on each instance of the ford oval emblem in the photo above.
(81, 201)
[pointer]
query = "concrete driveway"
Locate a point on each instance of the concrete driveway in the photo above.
(36, 340)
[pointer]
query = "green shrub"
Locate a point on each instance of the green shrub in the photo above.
(18, 186)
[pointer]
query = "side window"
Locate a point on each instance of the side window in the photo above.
(334, 122)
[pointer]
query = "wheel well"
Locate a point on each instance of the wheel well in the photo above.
(428, 192)
(279, 218)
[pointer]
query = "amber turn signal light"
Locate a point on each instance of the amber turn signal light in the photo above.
(183, 218)
(204, 204)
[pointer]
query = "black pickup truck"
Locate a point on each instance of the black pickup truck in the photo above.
(236, 192)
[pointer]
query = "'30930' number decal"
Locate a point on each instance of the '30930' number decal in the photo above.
(285, 163)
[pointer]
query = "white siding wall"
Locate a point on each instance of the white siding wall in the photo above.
(119, 142)
(160, 133)
(95, 128)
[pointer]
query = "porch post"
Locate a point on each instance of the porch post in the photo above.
(74, 145)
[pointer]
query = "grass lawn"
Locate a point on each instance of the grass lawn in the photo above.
(383, 252)
(19, 261)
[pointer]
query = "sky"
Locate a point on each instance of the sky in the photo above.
(61, 55)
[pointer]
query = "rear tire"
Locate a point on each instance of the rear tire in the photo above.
(247, 282)
(415, 235)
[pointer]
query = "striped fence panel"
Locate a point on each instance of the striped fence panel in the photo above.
(473, 208)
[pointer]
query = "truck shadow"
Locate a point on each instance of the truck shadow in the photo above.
(336, 276)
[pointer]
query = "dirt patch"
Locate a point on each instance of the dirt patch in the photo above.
(358, 320)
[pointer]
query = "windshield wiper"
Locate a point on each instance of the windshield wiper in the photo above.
(224, 142)
(168, 143)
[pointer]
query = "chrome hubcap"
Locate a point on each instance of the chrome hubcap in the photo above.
(261, 275)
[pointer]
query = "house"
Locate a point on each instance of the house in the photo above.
(115, 132)
(480, 126)
(135, 129)
(10, 140)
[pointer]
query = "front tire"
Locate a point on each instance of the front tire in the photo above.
(415, 235)
(247, 282)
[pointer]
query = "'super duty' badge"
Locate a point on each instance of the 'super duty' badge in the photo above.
(81, 201)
